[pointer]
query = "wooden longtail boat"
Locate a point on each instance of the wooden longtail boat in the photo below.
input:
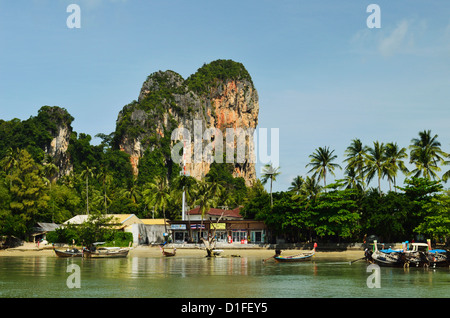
(437, 257)
(68, 253)
(387, 257)
(106, 253)
(167, 253)
(296, 258)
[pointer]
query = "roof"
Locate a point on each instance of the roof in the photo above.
(117, 218)
(153, 221)
(218, 212)
(46, 227)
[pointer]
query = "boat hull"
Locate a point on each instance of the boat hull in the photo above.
(295, 258)
(106, 254)
(68, 253)
(388, 259)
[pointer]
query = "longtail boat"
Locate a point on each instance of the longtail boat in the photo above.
(387, 257)
(167, 253)
(437, 257)
(296, 258)
(105, 252)
(68, 253)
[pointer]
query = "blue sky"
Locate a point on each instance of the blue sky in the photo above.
(322, 75)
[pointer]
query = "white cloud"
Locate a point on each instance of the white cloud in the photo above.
(397, 40)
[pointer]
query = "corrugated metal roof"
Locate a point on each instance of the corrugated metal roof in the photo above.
(117, 218)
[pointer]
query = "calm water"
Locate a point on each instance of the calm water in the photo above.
(178, 277)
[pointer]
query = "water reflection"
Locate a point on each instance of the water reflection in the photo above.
(211, 277)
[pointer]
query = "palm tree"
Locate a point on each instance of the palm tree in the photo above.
(50, 169)
(353, 180)
(312, 188)
(206, 197)
(157, 195)
(394, 155)
(425, 154)
(322, 162)
(356, 157)
(297, 185)
(88, 172)
(446, 175)
(269, 172)
(376, 163)
(425, 164)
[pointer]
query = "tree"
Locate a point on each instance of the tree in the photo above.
(376, 163)
(87, 172)
(297, 185)
(269, 172)
(426, 153)
(157, 195)
(436, 223)
(394, 155)
(206, 197)
(321, 162)
(356, 157)
(29, 194)
(446, 175)
(312, 188)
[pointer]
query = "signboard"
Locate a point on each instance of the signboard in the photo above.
(178, 226)
(218, 226)
(197, 226)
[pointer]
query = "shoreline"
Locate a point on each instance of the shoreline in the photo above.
(154, 251)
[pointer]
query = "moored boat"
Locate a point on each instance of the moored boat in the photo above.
(168, 253)
(387, 257)
(437, 257)
(68, 253)
(105, 252)
(296, 258)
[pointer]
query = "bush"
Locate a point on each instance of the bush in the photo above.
(118, 238)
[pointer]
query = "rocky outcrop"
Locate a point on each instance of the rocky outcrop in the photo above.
(61, 130)
(219, 95)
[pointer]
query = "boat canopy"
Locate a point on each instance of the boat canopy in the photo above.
(437, 251)
(389, 250)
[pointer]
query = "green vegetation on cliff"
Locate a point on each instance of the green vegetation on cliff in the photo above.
(219, 71)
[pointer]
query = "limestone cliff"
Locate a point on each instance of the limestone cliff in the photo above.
(60, 132)
(219, 95)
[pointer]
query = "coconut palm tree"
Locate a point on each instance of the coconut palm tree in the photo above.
(356, 158)
(87, 173)
(426, 153)
(312, 188)
(446, 175)
(297, 185)
(376, 163)
(425, 163)
(394, 155)
(322, 162)
(269, 172)
(206, 197)
(157, 195)
(353, 180)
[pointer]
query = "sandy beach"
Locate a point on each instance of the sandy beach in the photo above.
(29, 250)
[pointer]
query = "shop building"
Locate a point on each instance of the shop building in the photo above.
(227, 225)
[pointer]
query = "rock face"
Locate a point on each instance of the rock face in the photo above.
(59, 145)
(219, 95)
